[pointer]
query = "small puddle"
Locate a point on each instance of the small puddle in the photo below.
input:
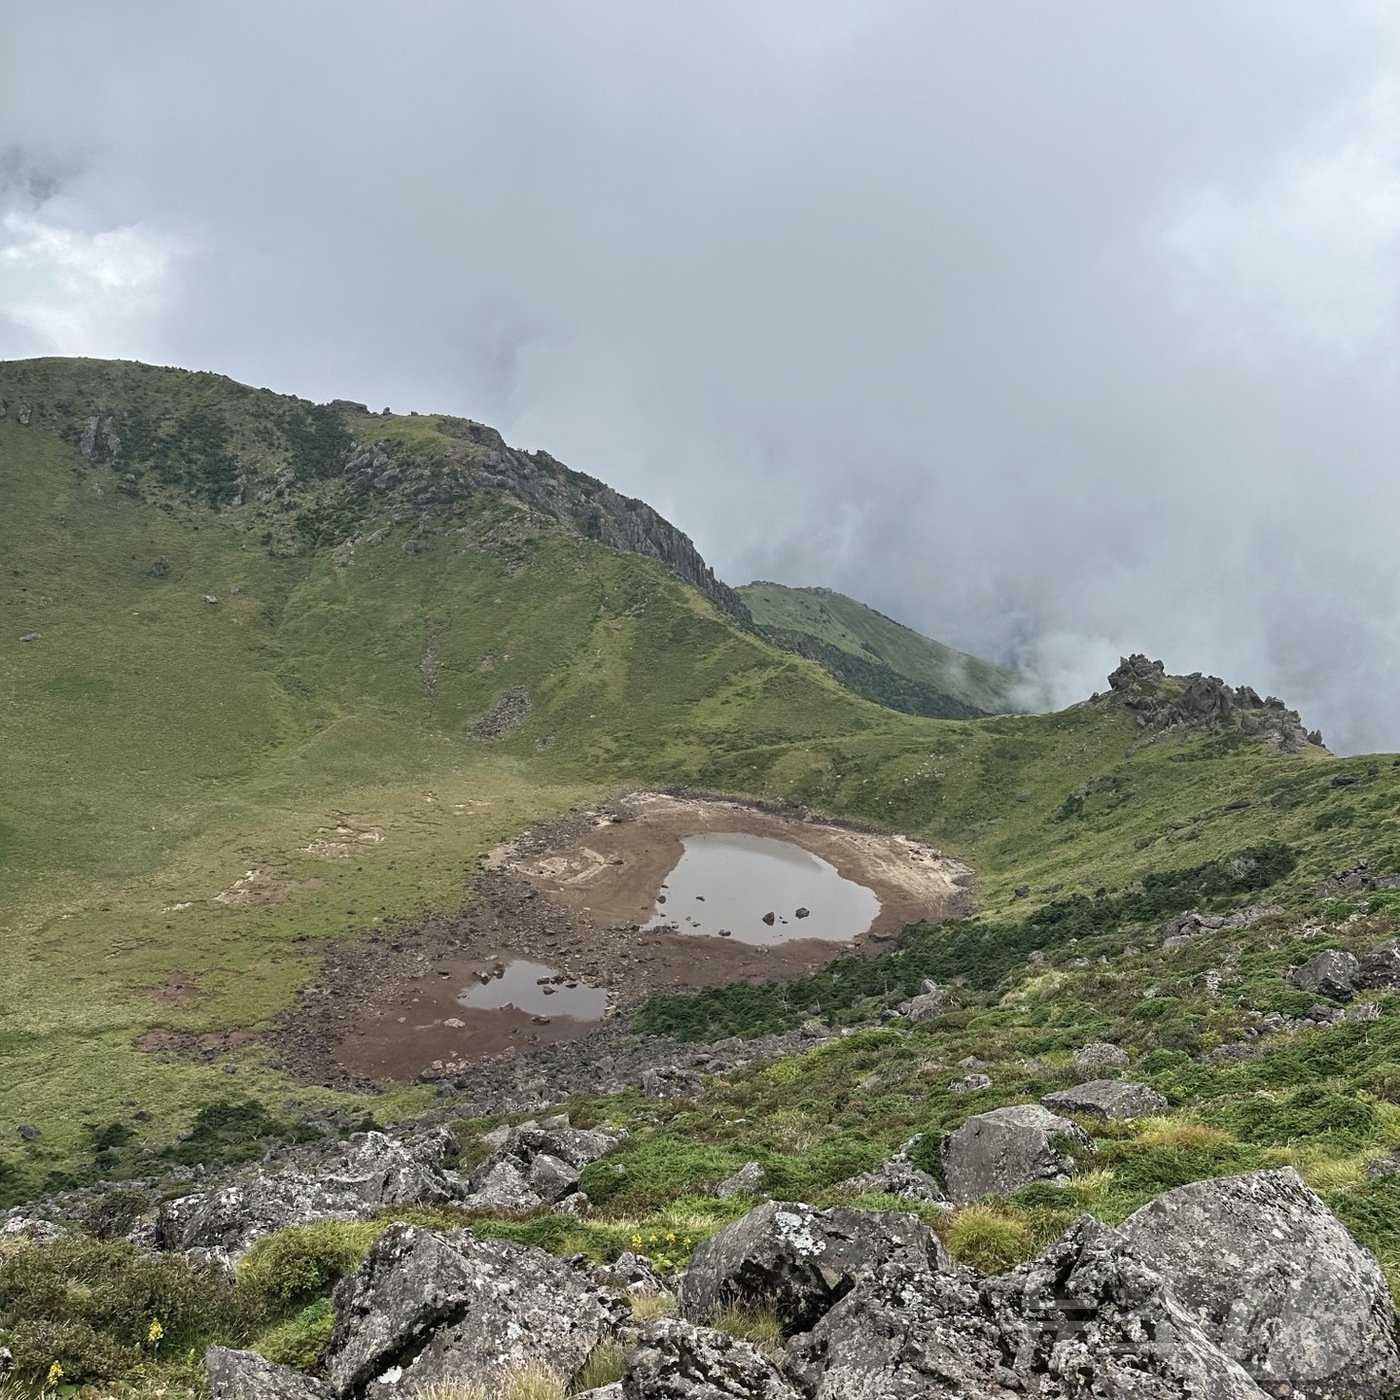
(535, 989)
(750, 888)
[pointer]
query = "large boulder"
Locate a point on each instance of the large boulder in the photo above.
(1097, 1055)
(1086, 1315)
(1332, 973)
(997, 1153)
(535, 1165)
(1380, 968)
(677, 1361)
(244, 1375)
(1276, 1282)
(430, 1306)
(1106, 1098)
(904, 1334)
(798, 1261)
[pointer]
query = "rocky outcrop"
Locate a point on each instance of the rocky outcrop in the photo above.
(799, 1261)
(676, 1360)
(926, 1006)
(898, 1175)
(1360, 878)
(1099, 1054)
(1162, 702)
(1181, 928)
(1106, 1098)
(479, 462)
(996, 1153)
(244, 1375)
(1276, 1282)
(1330, 974)
(535, 1164)
(429, 1307)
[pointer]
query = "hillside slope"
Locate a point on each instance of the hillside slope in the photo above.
(880, 658)
(411, 653)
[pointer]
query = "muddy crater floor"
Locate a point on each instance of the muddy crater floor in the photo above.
(553, 940)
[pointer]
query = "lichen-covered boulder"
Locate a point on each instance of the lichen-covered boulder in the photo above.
(996, 1153)
(675, 1360)
(1380, 968)
(244, 1375)
(1088, 1317)
(798, 1261)
(1099, 1054)
(1106, 1098)
(1332, 973)
(1276, 1282)
(431, 1306)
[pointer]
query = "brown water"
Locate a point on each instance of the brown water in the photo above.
(726, 882)
(535, 989)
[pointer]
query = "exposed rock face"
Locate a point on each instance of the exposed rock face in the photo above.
(244, 1375)
(1204, 702)
(898, 1176)
(1332, 973)
(429, 1306)
(799, 1261)
(534, 1165)
(678, 1361)
(1087, 1315)
(1361, 877)
(480, 463)
(996, 1153)
(1106, 1098)
(361, 1176)
(1273, 1278)
(1380, 968)
(927, 1006)
(747, 1181)
(504, 717)
(1181, 928)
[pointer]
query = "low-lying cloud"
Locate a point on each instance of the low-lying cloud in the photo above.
(1055, 331)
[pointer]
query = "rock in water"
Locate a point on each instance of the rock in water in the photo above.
(244, 1375)
(1275, 1280)
(429, 1307)
(996, 1153)
(798, 1260)
(678, 1361)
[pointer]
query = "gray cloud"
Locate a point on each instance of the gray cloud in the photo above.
(1055, 331)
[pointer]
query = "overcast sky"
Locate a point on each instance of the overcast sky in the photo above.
(1055, 328)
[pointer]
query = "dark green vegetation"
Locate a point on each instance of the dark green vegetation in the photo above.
(880, 658)
(194, 793)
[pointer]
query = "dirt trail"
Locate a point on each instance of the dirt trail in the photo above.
(572, 894)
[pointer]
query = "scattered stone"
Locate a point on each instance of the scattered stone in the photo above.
(27, 1131)
(676, 1360)
(1276, 1282)
(1380, 968)
(802, 913)
(160, 568)
(1020, 891)
(1332, 973)
(897, 1175)
(1362, 877)
(1099, 1054)
(31, 636)
(506, 716)
(208, 598)
(428, 1307)
(747, 1181)
(670, 1082)
(244, 1375)
(927, 1006)
(1106, 1098)
(769, 918)
(971, 1084)
(799, 1261)
(999, 1152)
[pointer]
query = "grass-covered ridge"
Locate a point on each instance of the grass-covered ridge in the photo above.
(158, 747)
(880, 658)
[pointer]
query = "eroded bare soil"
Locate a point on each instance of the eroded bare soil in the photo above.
(572, 894)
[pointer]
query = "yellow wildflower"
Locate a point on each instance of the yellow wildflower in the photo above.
(154, 1333)
(55, 1375)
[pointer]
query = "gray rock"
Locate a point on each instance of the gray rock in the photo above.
(1099, 1054)
(997, 1153)
(602, 1392)
(533, 1165)
(927, 1006)
(429, 1306)
(1332, 973)
(670, 1082)
(160, 568)
(27, 1131)
(971, 1084)
(1389, 1165)
(799, 1261)
(31, 636)
(897, 1175)
(1086, 1319)
(244, 1375)
(632, 1274)
(677, 1361)
(1276, 1282)
(1106, 1098)
(1380, 968)
(747, 1181)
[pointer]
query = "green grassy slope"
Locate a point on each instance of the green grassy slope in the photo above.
(881, 658)
(157, 747)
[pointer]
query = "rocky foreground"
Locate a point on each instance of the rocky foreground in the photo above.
(1237, 1288)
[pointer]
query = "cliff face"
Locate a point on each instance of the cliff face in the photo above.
(1205, 702)
(478, 460)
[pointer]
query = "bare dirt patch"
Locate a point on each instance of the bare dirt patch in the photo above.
(572, 894)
